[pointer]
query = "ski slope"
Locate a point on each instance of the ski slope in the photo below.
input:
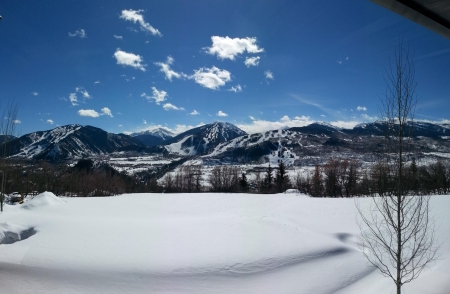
(197, 243)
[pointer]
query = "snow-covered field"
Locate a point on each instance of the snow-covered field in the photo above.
(197, 243)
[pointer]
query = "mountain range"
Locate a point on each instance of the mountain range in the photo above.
(224, 141)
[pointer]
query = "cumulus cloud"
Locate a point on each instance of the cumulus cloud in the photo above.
(137, 17)
(236, 89)
(73, 99)
(49, 121)
(34, 93)
(78, 33)
(88, 112)
(168, 72)
(169, 106)
(268, 74)
(118, 37)
(195, 112)
(106, 111)
(361, 108)
(252, 61)
(129, 59)
(211, 78)
(228, 48)
(221, 113)
(16, 121)
(157, 96)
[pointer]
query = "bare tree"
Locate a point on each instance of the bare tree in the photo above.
(8, 121)
(397, 231)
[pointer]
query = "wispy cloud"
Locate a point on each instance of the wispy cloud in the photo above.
(221, 113)
(83, 92)
(88, 113)
(118, 37)
(144, 121)
(228, 48)
(78, 33)
(137, 17)
(49, 121)
(97, 82)
(73, 99)
(236, 88)
(168, 72)
(268, 74)
(361, 108)
(195, 112)
(17, 121)
(169, 106)
(252, 61)
(129, 59)
(34, 93)
(211, 78)
(157, 96)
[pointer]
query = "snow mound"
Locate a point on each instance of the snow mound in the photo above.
(11, 233)
(43, 199)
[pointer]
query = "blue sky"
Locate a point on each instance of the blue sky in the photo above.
(126, 66)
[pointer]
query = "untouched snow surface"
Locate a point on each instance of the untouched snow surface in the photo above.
(197, 243)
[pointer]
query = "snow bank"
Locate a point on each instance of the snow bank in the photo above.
(43, 200)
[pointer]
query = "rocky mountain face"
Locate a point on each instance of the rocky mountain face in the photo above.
(202, 140)
(154, 137)
(306, 145)
(69, 142)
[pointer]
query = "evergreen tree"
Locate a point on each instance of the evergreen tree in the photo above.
(282, 179)
(316, 183)
(268, 180)
(243, 183)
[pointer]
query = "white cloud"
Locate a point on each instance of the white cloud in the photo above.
(211, 78)
(78, 33)
(252, 61)
(169, 106)
(226, 47)
(157, 96)
(16, 121)
(118, 37)
(88, 112)
(137, 17)
(49, 121)
(361, 108)
(251, 117)
(34, 93)
(268, 74)
(83, 92)
(169, 73)
(73, 99)
(97, 82)
(258, 126)
(236, 89)
(120, 126)
(106, 111)
(129, 59)
(344, 124)
(221, 113)
(144, 121)
(195, 112)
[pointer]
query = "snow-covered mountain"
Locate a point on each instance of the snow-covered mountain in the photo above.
(153, 137)
(319, 141)
(69, 142)
(201, 140)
